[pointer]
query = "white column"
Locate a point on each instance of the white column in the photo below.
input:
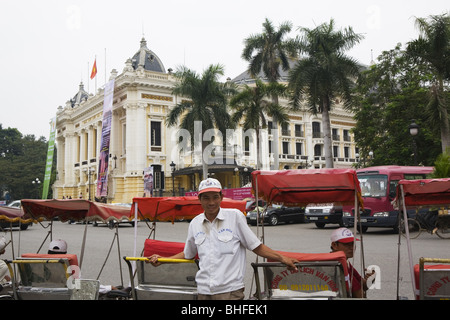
(82, 146)
(90, 143)
(70, 158)
(61, 159)
(136, 138)
(115, 139)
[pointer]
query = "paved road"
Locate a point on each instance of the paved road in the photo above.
(380, 249)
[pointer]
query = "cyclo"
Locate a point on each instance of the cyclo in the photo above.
(321, 275)
(428, 277)
(37, 276)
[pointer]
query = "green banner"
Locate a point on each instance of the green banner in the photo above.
(49, 161)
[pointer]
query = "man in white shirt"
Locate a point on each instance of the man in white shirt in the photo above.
(221, 237)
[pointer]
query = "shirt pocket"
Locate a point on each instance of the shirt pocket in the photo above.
(199, 240)
(226, 243)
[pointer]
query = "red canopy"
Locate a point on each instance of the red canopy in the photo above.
(171, 208)
(425, 192)
(76, 209)
(9, 214)
(301, 187)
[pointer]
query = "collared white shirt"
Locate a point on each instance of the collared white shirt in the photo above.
(221, 246)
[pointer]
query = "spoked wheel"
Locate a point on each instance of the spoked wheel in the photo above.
(413, 228)
(443, 228)
(273, 220)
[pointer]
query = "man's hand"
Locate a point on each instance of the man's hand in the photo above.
(153, 259)
(290, 262)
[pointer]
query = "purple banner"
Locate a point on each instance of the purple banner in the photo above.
(102, 177)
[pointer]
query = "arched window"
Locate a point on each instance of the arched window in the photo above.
(318, 150)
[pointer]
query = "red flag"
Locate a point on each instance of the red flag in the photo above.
(94, 70)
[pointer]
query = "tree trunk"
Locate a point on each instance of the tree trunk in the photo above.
(258, 150)
(204, 163)
(276, 159)
(327, 146)
(445, 125)
(445, 132)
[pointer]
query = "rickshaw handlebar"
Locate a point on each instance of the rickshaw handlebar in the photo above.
(162, 260)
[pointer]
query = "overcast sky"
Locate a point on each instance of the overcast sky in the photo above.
(48, 47)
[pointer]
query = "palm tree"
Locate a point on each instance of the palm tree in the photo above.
(207, 105)
(251, 105)
(442, 166)
(267, 52)
(433, 49)
(324, 73)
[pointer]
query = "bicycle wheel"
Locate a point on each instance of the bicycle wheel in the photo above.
(443, 228)
(413, 228)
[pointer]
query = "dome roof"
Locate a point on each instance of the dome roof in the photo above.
(147, 59)
(80, 96)
(245, 77)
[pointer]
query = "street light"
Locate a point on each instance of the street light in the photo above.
(245, 177)
(36, 182)
(414, 131)
(172, 167)
(89, 172)
(236, 173)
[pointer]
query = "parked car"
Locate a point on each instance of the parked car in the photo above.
(5, 225)
(251, 204)
(323, 213)
(276, 214)
(15, 204)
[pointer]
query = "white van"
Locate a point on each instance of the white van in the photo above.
(323, 213)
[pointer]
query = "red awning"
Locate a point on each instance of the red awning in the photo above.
(173, 208)
(301, 187)
(76, 209)
(9, 214)
(425, 192)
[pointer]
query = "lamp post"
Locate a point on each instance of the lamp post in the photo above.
(414, 131)
(172, 167)
(245, 178)
(36, 182)
(305, 163)
(238, 178)
(89, 172)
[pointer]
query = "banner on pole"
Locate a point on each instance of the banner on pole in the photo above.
(102, 177)
(148, 182)
(49, 161)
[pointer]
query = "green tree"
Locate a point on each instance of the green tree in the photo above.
(268, 52)
(252, 105)
(442, 166)
(205, 104)
(432, 49)
(22, 160)
(324, 73)
(389, 95)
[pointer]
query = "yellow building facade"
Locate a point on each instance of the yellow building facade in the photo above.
(141, 139)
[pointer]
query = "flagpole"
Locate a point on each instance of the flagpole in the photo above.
(94, 73)
(88, 78)
(105, 65)
(95, 77)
